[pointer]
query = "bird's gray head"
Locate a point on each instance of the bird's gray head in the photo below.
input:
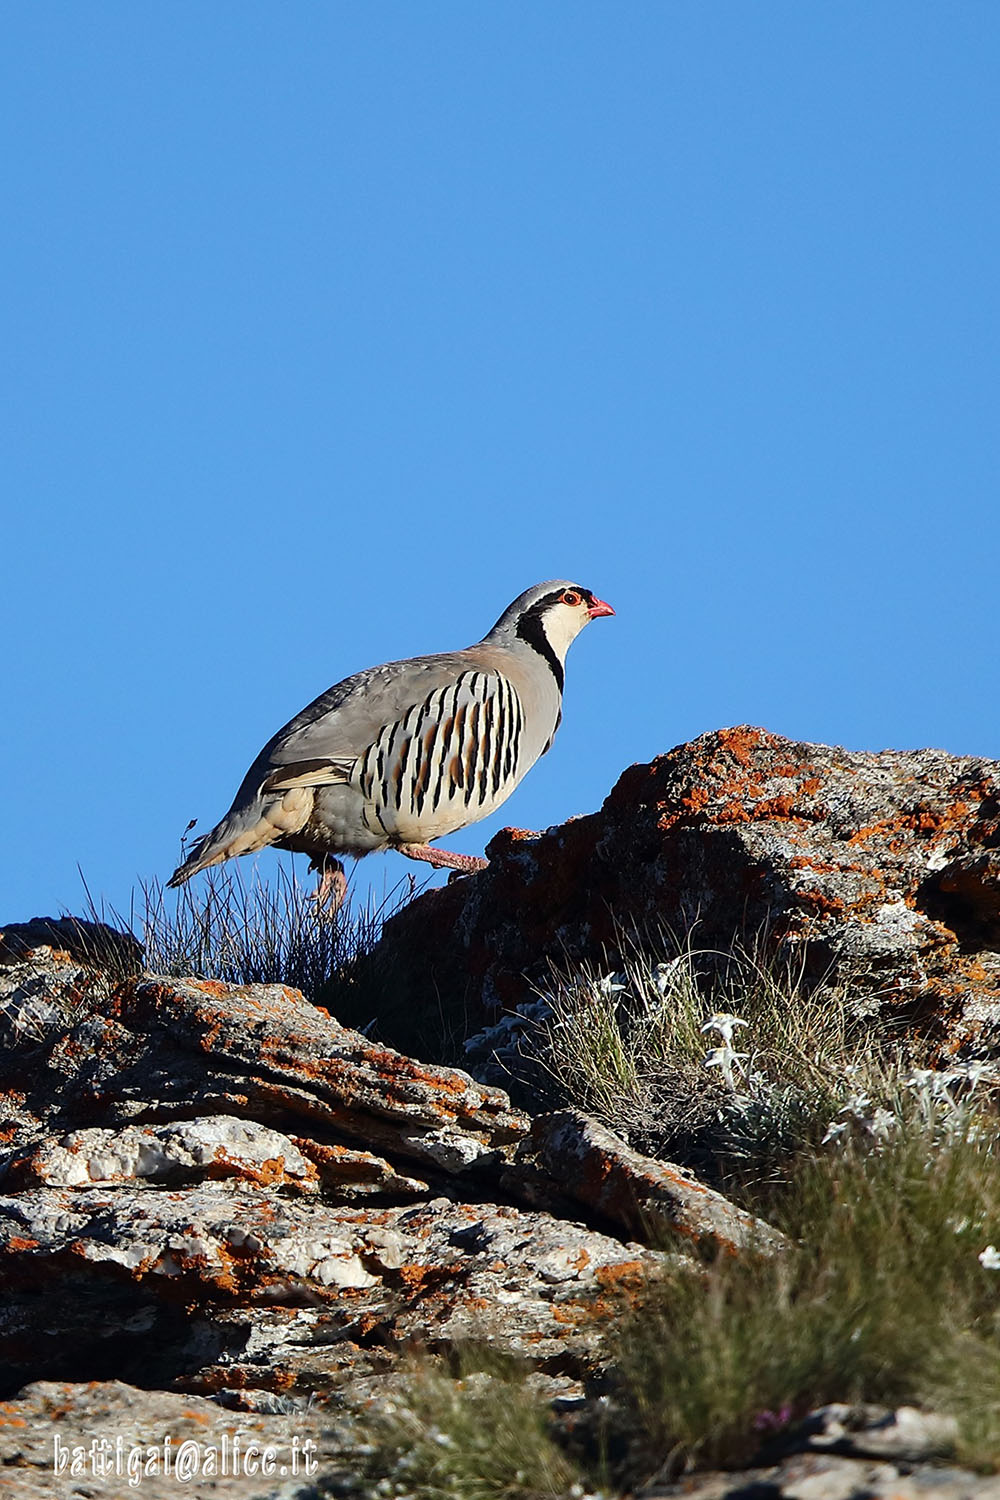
(549, 617)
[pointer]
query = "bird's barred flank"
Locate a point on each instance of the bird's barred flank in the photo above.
(461, 743)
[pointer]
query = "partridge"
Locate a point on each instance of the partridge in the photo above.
(399, 755)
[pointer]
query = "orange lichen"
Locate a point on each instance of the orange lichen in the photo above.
(417, 1278)
(688, 1184)
(739, 741)
(776, 807)
(626, 1271)
(827, 905)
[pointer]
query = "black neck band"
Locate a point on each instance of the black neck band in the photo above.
(531, 630)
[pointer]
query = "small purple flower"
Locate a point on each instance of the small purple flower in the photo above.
(772, 1421)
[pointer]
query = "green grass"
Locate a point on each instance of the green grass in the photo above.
(882, 1299)
(481, 1434)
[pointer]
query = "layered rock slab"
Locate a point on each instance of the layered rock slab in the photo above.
(168, 1048)
(194, 1269)
(185, 1199)
(643, 1197)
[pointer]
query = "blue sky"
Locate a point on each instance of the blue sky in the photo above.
(329, 328)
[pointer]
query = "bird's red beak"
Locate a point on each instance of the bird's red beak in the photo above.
(599, 608)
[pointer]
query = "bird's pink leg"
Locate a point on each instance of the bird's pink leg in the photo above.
(441, 859)
(332, 887)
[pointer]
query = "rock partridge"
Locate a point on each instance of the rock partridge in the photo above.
(399, 755)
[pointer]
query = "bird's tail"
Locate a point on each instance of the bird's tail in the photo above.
(246, 828)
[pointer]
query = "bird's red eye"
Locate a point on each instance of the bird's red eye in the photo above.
(571, 597)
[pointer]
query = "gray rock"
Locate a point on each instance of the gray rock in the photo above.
(905, 1435)
(645, 1198)
(829, 1477)
(214, 1146)
(106, 1440)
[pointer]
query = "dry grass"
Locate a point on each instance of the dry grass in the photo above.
(482, 1433)
(242, 930)
(718, 1057)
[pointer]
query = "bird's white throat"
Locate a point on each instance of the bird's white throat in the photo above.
(562, 625)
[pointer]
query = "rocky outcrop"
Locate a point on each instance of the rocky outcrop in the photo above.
(644, 1197)
(879, 868)
(252, 1198)
(225, 1195)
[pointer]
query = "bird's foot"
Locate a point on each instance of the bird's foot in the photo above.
(332, 887)
(443, 859)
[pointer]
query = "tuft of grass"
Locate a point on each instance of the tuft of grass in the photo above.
(242, 930)
(644, 1050)
(883, 1298)
(482, 1433)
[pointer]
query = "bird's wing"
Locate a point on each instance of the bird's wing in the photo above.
(340, 725)
(309, 773)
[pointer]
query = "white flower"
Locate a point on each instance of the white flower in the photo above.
(883, 1122)
(834, 1131)
(921, 1078)
(726, 1059)
(724, 1024)
(989, 1258)
(664, 975)
(610, 984)
(972, 1073)
(931, 1084)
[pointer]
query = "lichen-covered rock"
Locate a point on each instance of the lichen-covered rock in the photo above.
(163, 1048)
(240, 1287)
(216, 1146)
(881, 868)
(105, 1440)
(643, 1197)
(187, 1200)
(92, 943)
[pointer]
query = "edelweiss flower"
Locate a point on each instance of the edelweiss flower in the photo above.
(664, 975)
(883, 1122)
(725, 1025)
(726, 1059)
(610, 984)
